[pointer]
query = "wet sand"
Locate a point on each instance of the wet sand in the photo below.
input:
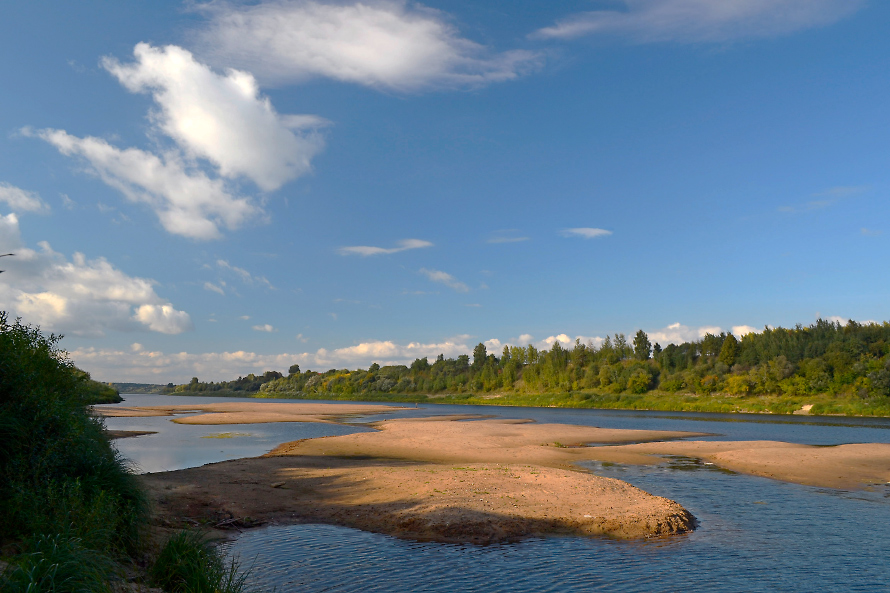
(258, 412)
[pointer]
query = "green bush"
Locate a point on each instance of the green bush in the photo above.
(59, 473)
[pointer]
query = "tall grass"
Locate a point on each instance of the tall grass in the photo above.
(189, 563)
(57, 564)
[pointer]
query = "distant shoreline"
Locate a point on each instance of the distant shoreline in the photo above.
(654, 401)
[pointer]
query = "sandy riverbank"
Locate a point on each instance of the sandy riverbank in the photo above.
(258, 412)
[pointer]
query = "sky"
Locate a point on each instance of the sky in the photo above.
(213, 189)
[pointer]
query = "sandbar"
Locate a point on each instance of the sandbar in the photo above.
(446, 479)
(248, 412)
(848, 466)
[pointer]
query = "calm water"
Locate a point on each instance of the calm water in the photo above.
(754, 534)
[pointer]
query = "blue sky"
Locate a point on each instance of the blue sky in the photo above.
(223, 188)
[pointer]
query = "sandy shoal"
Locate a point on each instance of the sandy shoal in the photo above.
(850, 466)
(436, 479)
(258, 412)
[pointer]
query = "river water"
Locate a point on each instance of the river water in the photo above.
(754, 534)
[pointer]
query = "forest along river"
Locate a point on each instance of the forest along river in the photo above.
(754, 534)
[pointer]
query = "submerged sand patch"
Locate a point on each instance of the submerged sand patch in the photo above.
(258, 412)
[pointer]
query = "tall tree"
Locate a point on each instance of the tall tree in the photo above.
(479, 356)
(729, 351)
(642, 346)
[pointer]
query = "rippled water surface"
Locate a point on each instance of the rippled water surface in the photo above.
(754, 534)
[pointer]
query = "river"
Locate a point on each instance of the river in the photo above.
(754, 534)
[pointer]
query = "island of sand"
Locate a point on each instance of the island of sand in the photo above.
(468, 478)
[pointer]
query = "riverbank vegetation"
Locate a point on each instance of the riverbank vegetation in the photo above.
(74, 515)
(835, 368)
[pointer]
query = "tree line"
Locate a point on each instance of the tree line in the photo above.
(823, 358)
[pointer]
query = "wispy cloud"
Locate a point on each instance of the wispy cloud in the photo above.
(507, 236)
(871, 232)
(828, 197)
(264, 328)
(388, 44)
(214, 288)
(691, 21)
(367, 250)
(585, 232)
(446, 279)
(20, 200)
(245, 276)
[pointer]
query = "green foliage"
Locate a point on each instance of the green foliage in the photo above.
(57, 564)
(58, 472)
(729, 351)
(642, 346)
(846, 362)
(189, 563)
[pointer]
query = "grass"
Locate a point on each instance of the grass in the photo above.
(58, 564)
(189, 563)
(844, 405)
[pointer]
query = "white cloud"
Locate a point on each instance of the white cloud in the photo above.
(677, 333)
(187, 201)
(163, 318)
(222, 118)
(446, 279)
(388, 44)
(20, 200)
(585, 233)
(214, 288)
(264, 328)
(366, 250)
(81, 297)
(741, 330)
(160, 367)
(648, 21)
(246, 276)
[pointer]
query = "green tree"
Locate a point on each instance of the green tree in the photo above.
(294, 369)
(642, 346)
(729, 351)
(479, 356)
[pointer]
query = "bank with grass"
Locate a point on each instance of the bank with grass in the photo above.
(75, 517)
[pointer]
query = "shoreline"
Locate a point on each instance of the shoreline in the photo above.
(786, 406)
